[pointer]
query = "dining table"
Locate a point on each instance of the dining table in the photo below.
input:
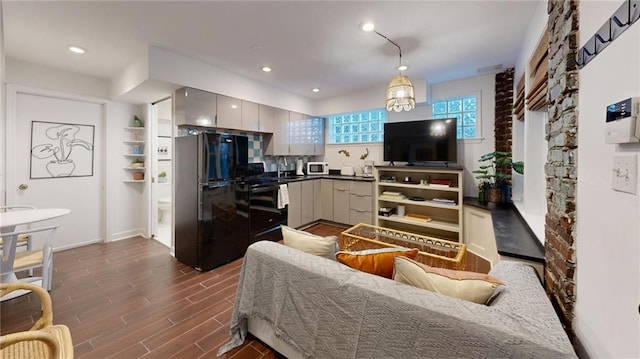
(9, 221)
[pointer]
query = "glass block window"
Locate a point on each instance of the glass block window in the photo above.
(464, 110)
(357, 127)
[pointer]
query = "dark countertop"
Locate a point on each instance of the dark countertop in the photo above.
(291, 177)
(514, 238)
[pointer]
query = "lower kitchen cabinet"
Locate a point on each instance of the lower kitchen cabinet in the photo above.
(294, 218)
(341, 201)
(326, 201)
(317, 202)
(360, 202)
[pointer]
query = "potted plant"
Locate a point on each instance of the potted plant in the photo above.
(162, 177)
(495, 179)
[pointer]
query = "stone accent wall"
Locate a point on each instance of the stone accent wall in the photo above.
(504, 108)
(560, 169)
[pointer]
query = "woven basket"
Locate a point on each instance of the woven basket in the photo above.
(433, 252)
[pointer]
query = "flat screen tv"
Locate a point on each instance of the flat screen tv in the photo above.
(424, 142)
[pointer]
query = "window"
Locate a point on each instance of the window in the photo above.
(464, 109)
(357, 127)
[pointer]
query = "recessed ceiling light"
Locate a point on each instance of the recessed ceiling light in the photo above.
(367, 26)
(266, 69)
(234, 106)
(316, 90)
(77, 50)
(402, 67)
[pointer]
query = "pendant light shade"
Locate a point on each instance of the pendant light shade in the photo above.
(400, 95)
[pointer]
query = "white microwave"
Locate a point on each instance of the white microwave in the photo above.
(317, 168)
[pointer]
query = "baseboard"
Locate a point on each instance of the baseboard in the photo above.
(127, 234)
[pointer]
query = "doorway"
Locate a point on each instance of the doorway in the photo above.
(162, 167)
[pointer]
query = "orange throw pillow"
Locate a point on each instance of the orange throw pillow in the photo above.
(375, 261)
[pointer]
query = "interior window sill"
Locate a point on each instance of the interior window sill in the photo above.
(472, 140)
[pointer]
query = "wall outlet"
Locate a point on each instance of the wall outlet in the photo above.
(625, 173)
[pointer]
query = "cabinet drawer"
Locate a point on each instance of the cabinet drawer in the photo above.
(341, 185)
(356, 216)
(361, 188)
(361, 203)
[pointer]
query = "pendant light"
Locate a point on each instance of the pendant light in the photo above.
(400, 95)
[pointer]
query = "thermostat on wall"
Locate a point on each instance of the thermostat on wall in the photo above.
(622, 121)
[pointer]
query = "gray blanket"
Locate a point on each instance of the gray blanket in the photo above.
(324, 309)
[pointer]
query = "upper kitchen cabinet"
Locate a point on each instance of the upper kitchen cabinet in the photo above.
(194, 107)
(229, 113)
(250, 116)
(266, 116)
(299, 135)
(306, 134)
(278, 142)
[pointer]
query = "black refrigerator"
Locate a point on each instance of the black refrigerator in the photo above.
(211, 202)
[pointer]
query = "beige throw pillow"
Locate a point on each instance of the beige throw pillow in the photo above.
(310, 243)
(471, 286)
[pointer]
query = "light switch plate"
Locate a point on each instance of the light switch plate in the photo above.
(625, 173)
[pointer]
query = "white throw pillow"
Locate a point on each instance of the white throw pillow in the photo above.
(310, 243)
(471, 286)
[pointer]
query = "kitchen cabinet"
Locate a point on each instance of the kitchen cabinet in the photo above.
(300, 137)
(250, 116)
(266, 116)
(430, 209)
(307, 201)
(195, 107)
(294, 216)
(341, 209)
(229, 112)
(277, 144)
(317, 202)
(318, 136)
(326, 201)
(360, 202)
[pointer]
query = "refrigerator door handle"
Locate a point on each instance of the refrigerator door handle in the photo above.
(205, 159)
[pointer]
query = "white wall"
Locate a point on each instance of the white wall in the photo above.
(469, 151)
(3, 106)
(529, 144)
(608, 222)
(126, 205)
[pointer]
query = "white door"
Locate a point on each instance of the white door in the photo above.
(65, 136)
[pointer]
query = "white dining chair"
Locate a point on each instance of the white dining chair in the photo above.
(13, 261)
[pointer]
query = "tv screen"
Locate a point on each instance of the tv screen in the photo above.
(418, 142)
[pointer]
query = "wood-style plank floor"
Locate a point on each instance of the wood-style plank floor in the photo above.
(132, 299)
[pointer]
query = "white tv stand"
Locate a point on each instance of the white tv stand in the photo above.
(445, 218)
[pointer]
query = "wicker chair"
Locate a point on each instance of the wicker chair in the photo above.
(43, 340)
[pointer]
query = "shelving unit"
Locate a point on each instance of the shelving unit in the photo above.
(136, 152)
(445, 219)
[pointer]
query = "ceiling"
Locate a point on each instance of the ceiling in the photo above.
(307, 43)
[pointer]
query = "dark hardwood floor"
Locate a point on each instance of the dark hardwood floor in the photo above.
(132, 299)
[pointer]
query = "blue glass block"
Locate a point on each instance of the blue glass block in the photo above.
(457, 116)
(345, 129)
(375, 137)
(354, 138)
(337, 139)
(455, 106)
(459, 132)
(470, 118)
(364, 127)
(373, 115)
(440, 108)
(383, 116)
(364, 137)
(440, 116)
(336, 120)
(373, 126)
(354, 128)
(469, 132)
(337, 130)
(345, 138)
(469, 104)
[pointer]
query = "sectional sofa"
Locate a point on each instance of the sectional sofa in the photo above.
(306, 306)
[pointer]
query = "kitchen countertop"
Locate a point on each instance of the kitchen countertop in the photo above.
(291, 177)
(514, 238)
